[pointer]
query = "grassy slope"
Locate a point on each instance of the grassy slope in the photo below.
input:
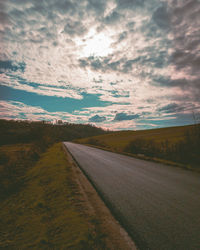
(119, 140)
(43, 134)
(46, 213)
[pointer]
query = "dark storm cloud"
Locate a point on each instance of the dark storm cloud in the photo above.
(124, 117)
(19, 2)
(4, 17)
(74, 28)
(171, 108)
(114, 65)
(83, 63)
(100, 64)
(167, 82)
(162, 17)
(65, 6)
(97, 118)
(112, 18)
(130, 25)
(11, 66)
(96, 63)
(127, 66)
(192, 86)
(28, 18)
(129, 4)
(96, 6)
(186, 29)
(187, 59)
(122, 36)
(151, 57)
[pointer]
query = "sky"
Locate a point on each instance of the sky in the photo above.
(116, 64)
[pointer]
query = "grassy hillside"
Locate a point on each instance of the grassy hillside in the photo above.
(119, 140)
(40, 201)
(15, 160)
(22, 143)
(12, 132)
(180, 144)
(43, 210)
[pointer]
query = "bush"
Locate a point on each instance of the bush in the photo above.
(3, 158)
(185, 151)
(95, 142)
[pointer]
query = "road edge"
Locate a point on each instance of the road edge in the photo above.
(117, 236)
(145, 158)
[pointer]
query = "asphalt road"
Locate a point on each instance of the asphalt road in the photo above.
(158, 205)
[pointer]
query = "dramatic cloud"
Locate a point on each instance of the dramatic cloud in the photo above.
(171, 108)
(162, 17)
(126, 64)
(112, 18)
(124, 117)
(129, 4)
(97, 118)
(11, 66)
(185, 26)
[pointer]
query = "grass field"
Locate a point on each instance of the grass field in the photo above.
(119, 140)
(172, 143)
(45, 212)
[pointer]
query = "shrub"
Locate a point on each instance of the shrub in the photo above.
(185, 151)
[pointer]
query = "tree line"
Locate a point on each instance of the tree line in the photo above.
(28, 140)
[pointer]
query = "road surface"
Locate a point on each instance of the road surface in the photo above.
(158, 205)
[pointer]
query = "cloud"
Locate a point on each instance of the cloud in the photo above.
(101, 63)
(129, 4)
(19, 83)
(148, 49)
(74, 28)
(96, 6)
(168, 82)
(4, 19)
(124, 117)
(122, 36)
(112, 18)
(161, 17)
(64, 6)
(19, 110)
(12, 66)
(171, 108)
(97, 118)
(185, 22)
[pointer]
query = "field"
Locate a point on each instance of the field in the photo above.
(175, 144)
(119, 140)
(42, 209)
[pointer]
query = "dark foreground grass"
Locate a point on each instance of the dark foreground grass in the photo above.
(46, 212)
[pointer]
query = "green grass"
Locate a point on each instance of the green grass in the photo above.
(47, 212)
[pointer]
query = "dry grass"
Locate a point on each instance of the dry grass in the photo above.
(174, 145)
(119, 140)
(47, 213)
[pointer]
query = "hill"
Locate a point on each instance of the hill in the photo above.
(178, 144)
(41, 203)
(42, 206)
(22, 144)
(15, 131)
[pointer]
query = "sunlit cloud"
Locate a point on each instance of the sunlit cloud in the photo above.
(18, 110)
(127, 54)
